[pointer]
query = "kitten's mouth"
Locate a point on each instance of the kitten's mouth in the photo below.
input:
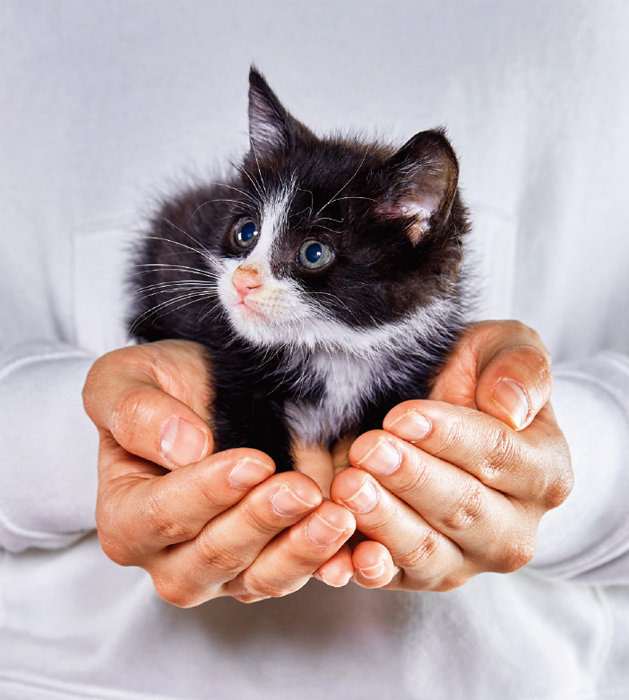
(247, 310)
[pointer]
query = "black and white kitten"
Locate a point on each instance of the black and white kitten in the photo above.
(324, 278)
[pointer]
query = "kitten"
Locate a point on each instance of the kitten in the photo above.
(324, 278)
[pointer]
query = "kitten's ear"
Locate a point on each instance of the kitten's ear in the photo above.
(425, 174)
(271, 127)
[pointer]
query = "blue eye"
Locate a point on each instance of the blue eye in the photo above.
(313, 255)
(246, 234)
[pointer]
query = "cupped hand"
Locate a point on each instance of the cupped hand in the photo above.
(446, 491)
(203, 525)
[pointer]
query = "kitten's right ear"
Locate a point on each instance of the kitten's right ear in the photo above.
(424, 174)
(271, 127)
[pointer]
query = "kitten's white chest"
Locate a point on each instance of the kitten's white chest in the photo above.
(347, 383)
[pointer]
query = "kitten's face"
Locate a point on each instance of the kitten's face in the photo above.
(310, 260)
(332, 242)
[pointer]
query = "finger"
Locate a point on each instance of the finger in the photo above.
(425, 554)
(138, 514)
(373, 565)
(231, 542)
(285, 565)
(514, 384)
(488, 527)
(338, 570)
(501, 367)
(485, 447)
(146, 421)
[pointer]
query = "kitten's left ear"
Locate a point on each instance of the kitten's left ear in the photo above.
(271, 127)
(425, 174)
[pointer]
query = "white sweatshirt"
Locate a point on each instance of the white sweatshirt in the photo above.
(103, 104)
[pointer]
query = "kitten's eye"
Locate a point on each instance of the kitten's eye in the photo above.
(246, 234)
(313, 255)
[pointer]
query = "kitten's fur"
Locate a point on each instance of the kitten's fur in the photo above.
(312, 354)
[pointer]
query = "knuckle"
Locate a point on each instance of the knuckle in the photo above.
(174, 593)
(515, 554)
(528, 336)
(302, 559)
(162, 525)
(503, 454)
(116, 549)
(127, 415)
(248, 598)
(259, 519)
(468, 509)
(213, 496)
(539, 347)
(515, 327)
(261, 586)
(559, 488)
(416, 478)
(450, 582)
(451, 437)
(421, 552)
(227, 561)
(89, 393)
(100, 370)
(112, 537)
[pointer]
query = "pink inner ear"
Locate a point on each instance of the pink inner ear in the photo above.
(420, 209)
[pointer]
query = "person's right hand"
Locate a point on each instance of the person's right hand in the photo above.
(203, 525)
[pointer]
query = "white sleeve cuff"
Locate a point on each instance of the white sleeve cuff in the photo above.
(48, 471)
(587, 538)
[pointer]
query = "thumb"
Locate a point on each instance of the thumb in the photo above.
(142, 418)
(514, 382)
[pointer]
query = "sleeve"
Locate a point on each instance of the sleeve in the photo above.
(587, 538)
(48, 471)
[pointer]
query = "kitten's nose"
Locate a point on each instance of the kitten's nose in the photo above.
(245, 279)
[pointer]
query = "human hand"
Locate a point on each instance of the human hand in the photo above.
(203, 525)
(447, 491)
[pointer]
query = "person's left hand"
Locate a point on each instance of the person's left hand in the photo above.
(447, 491)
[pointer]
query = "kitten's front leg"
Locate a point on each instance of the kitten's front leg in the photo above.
(245, 417)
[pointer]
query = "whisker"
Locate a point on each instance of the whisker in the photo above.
(325, 228)
(190, 236)
(244, 193)
(337, 301)
(344, 186)
(255, 155)
(166, 286)
(300, 189)
(369, 199)
(212, 201)
(177, 268)
(329, 218)
(197, 251)
(253, 182)
(191, 296)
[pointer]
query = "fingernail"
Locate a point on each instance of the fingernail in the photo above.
(182, 443)
(374, 571)
(382, 458)
(286, 502)
(334, 574)
(364, 499)
(510, 397)
(247, 473)
(411, 426)
(321, 532)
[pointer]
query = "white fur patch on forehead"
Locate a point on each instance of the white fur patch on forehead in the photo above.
(273, 220)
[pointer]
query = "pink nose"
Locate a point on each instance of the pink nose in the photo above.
(245, 281)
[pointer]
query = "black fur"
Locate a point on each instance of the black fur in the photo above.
(387, 265)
